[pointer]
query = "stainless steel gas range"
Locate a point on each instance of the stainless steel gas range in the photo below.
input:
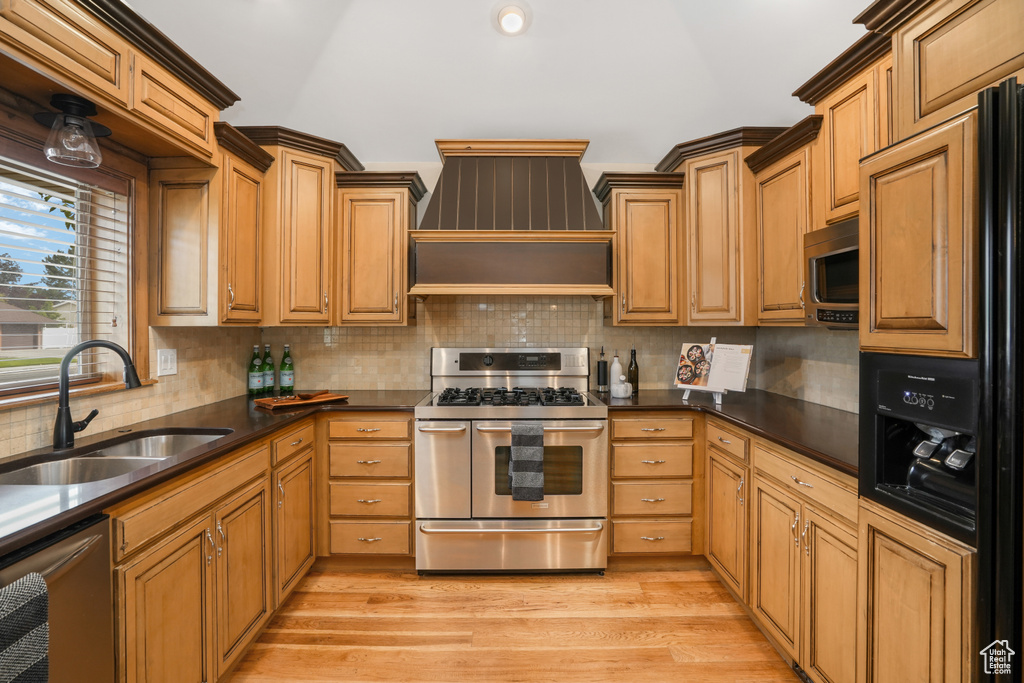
(466, 518)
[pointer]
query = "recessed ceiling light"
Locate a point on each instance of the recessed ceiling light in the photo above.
(512, 20)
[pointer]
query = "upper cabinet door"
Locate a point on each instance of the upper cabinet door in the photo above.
(848, 134)
(918, 238)
(240, 242)
(716, 238)
(303, 238)
(647, 225)
(374, 229)
(783, 216)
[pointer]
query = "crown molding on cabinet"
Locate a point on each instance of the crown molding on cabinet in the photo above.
(286, 137)
(855, 59)
(161, 49)
(409, 180)
(231, 139)
(885, 16)
(617, 181)
(511, 148)
(799, 135)
(737, 137)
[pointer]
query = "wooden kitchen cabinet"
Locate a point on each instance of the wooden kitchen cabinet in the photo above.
(366, 499)
(375, 213)
(645, 211)
(652, 484)
(204, 224)
(179, 112)
(294, 523)
(915, 595)
(782, 178)
(243, 570)
(918, 244)
(297, 224)
(165, 608)
(728, 478)
(803, 561)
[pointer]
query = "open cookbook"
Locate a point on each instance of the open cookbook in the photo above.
(713, 367)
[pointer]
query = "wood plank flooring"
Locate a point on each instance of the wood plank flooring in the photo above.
(579, 628)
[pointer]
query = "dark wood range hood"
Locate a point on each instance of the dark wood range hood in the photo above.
(511, 217)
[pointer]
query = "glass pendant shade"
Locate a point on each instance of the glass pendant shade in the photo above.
(71, 142)
(72, 138)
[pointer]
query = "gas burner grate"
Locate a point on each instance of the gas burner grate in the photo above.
(516, 396)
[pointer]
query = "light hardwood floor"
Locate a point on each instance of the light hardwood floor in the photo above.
(625, 626)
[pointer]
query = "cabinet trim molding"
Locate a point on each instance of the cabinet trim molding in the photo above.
(745, 136)
(303, 142)
(795, 137)
(851, 62)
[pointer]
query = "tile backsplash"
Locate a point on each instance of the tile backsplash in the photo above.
(809, 364)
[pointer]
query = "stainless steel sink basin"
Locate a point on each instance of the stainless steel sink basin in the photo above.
(102, 461)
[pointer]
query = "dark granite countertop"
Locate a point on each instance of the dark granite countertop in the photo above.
(824, 434)
(29, 513)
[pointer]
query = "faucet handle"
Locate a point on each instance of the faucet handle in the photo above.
(79, 426)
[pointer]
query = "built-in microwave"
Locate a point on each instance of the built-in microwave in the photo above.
(832, 275)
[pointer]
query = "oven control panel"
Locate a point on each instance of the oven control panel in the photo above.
(509, 362)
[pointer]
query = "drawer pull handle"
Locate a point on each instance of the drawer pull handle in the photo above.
(653, 462)
(296, 443)
(652, 500)
(738, 490)
(796, 537)
(367, 429)
(441, 430)
(652, 429)
(369, 501)
(652, 538)
(209, 537)
(223, 539)
(807, 546)
(280, 502)
(801, 483)
(370, 540)
(725, 441)
(368, 462)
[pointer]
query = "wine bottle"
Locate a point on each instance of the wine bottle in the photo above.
(633, 371)
(268, 371)
(255, 372)
(287, 376)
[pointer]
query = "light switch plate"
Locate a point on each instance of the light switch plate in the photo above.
(166, 362)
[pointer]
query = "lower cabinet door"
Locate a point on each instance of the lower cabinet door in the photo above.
(293, 524)
(829, 641)
(727, 520)
(243, 570)
(775, 563)
(166, 613)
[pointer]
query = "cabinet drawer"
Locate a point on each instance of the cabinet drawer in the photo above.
(652, 460)
(369, 460)
(370, 500)
(144, 521)
(727, 441)
(368, 429)
(376, 538)
(650, 536)
(291, 443)
(68, 41)
(828, 493)
(652, 428)
(173, 106)
(652, 498)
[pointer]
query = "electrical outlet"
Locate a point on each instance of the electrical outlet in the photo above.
(166, 362)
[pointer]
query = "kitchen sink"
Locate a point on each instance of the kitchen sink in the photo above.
(106, 460)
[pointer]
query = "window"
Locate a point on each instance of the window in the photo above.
(64, 276)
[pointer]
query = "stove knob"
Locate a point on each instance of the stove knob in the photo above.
(488, 361)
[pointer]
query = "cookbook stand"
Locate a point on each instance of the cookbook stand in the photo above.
(729, 367)
(716, 393)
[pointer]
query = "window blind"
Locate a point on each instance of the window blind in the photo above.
(64, 275)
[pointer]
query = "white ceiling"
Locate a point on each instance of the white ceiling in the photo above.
(387, 77)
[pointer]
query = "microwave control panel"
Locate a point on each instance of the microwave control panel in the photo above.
(828, 316)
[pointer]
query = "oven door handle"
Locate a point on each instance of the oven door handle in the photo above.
(507, 430)
(440, 430)
(567, 530)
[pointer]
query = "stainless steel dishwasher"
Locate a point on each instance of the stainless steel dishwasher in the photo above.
(76, 564)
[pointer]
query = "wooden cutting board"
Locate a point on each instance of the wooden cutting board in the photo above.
(297, 401)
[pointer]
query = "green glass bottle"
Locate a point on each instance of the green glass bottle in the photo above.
(268, 371)
(287, 377)
(255, 372)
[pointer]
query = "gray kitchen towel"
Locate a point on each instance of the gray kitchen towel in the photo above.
(25, 631)
(526, 463)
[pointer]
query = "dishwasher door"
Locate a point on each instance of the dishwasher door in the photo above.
(76, 564)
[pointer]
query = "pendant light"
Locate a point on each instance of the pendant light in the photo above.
(72, 138)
